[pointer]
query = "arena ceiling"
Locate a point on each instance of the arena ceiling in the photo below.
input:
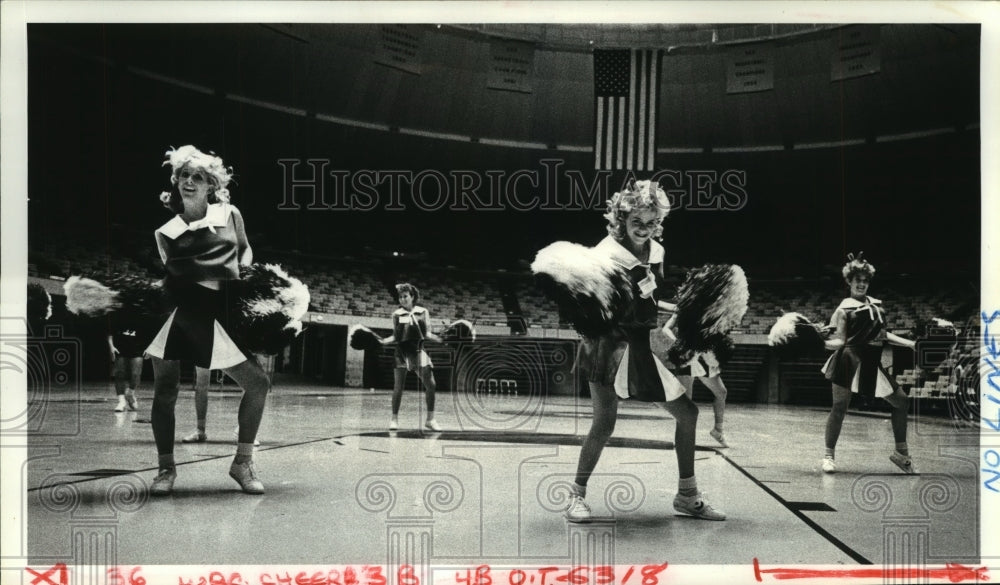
(918, 78)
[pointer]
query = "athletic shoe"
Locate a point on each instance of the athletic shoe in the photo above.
(697, 507)
(195, 437)
(578, 510)
(829, 465)
(133, 403)
(903, 462)
(433, 426)
(236, 437)
(245, 474)
(164, 482)
(718, 436)
(120, 407)
(393, 424)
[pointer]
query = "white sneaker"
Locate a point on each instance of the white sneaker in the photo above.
(718, 436)
(131, 400)
(903, 462)
(245, 474)
(163, 484)
(829, 466)
(195, 437)
(696, 506)
(433, 426)
(393, 424)
(578, 510)
(121, 406)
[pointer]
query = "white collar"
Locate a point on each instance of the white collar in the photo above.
(626, 258)
(416, 310)
(853, 303)
(217, 215)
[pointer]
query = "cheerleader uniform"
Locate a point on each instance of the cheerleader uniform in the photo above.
(204, 250)
(623, 357)
(858, 363)
(409, 328)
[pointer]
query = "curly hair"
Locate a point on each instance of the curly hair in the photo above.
(216, 172)
(857, 265)
(405, 287)
(637, 196)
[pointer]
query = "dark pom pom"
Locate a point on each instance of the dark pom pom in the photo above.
(136, 296)
(591, 290)
(712, 301)
(364, 338)
(39, 305)
(793, 336)
(268, 309)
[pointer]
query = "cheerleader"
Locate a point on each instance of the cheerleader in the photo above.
(202, 248)
(619, 363)
(855, 366)
(127, 344)
(410, 327)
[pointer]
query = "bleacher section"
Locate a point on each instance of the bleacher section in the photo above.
(357, 287)
(362, 288)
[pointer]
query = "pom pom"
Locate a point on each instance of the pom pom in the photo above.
(793, 335)
(89, 298)
(459, 330)
(721, 345)
(591, 290)
(710, 303)
(39, 305)
(361, 337)
(268, 309)
(136, 296)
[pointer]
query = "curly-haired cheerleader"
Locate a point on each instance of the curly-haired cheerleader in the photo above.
(856, 366)
(410, 327)
(202, 247)
(618, 361)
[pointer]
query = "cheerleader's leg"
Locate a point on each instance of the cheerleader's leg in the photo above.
(605, 403)
(398, 382)
(719, 394)
(255, 384)
(426, 375)
(685, 413)
(834, 422)
(166, 385)
(202, 380)
(900, 411)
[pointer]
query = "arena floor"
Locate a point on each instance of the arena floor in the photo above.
(342, 488)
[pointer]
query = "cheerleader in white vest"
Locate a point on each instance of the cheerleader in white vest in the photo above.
(410, 327)
(202, 248)
(621, 364)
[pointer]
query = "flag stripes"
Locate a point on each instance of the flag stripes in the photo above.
(626, 92)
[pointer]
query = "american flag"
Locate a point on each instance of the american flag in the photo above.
(626, 94)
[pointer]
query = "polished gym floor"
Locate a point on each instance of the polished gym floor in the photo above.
(342, 488)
